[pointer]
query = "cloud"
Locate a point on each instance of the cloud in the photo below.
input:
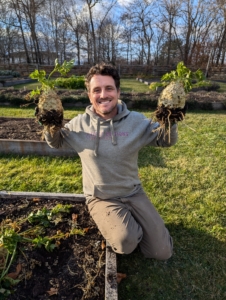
(124, 2)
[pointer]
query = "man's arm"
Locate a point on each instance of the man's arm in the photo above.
(56, 139)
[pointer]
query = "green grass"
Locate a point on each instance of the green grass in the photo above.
(29, 86)
(186, 183)
(222, 87)
(127, 85)
(41, 174)
(132, 85)
(28, 112)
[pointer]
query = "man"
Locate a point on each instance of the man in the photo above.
(108, 137)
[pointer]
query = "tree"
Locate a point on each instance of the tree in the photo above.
(13, 17)
(169, 12)
(8, 35)
(173, 56)
(109, 23)
(97, 21)
(220, 33)
(108, 35)
(30, 9)
(139, 15)
(75, 20)
(196, 22)
(90, 6)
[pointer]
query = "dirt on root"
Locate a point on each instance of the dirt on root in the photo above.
(20, 128)
(74, 269)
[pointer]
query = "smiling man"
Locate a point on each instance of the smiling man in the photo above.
(108, 137)
(103, 95)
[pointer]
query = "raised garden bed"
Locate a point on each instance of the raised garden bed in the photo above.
(24, 136)
(11, 81)
(80, 265)
(198, 98)
(204, 100)
(3, 79)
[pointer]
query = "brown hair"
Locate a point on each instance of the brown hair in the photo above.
(105, 69)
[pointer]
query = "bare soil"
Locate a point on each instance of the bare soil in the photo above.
(20, 128)
(72, 270)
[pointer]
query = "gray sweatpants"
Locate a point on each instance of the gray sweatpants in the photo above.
(127, 222)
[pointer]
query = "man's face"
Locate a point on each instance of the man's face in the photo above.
(103, 95)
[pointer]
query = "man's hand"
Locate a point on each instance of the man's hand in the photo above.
(166, 115)
(51, 121)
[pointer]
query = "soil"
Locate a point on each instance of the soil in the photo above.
(74, 269)
(20, 128)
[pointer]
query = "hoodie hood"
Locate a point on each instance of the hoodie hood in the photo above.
(122, 112)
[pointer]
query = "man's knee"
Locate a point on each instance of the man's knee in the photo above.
(126, 243)
(164, 254)
(161, 253)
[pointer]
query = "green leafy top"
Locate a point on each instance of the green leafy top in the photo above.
(44, 216)
(182, 74)
(47, 82)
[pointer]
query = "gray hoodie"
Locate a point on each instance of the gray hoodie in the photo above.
(109, 149)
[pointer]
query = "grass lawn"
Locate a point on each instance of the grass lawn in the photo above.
(127, 85)
(29, 86)
(28, 112)
(222, 87)
(131, 85)
(186, 183)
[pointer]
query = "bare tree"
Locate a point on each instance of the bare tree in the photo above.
(158, 41)
(220, 33)
(145, 31)
(8, 36)
(127, 35)
(97, 19)
(76, 22)
(168, 14)
(30, 9)
(107, 40)
(53, 15)
(90, 6)
(105, 21)
(197, 20)
(13, 17)
(139, 14)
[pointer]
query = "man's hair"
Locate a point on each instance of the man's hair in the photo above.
(105, 69)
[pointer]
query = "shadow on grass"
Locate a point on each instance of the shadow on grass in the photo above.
(203, 111)
(195, 271)
(150, 156)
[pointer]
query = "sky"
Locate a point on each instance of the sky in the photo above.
(124, 2)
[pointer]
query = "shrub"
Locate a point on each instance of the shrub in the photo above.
(74, 99)
(206, 86)
(9, 73)
(73, 82)
(13, 99)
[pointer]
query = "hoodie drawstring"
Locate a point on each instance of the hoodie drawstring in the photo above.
(97, 137)
(113, 136)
